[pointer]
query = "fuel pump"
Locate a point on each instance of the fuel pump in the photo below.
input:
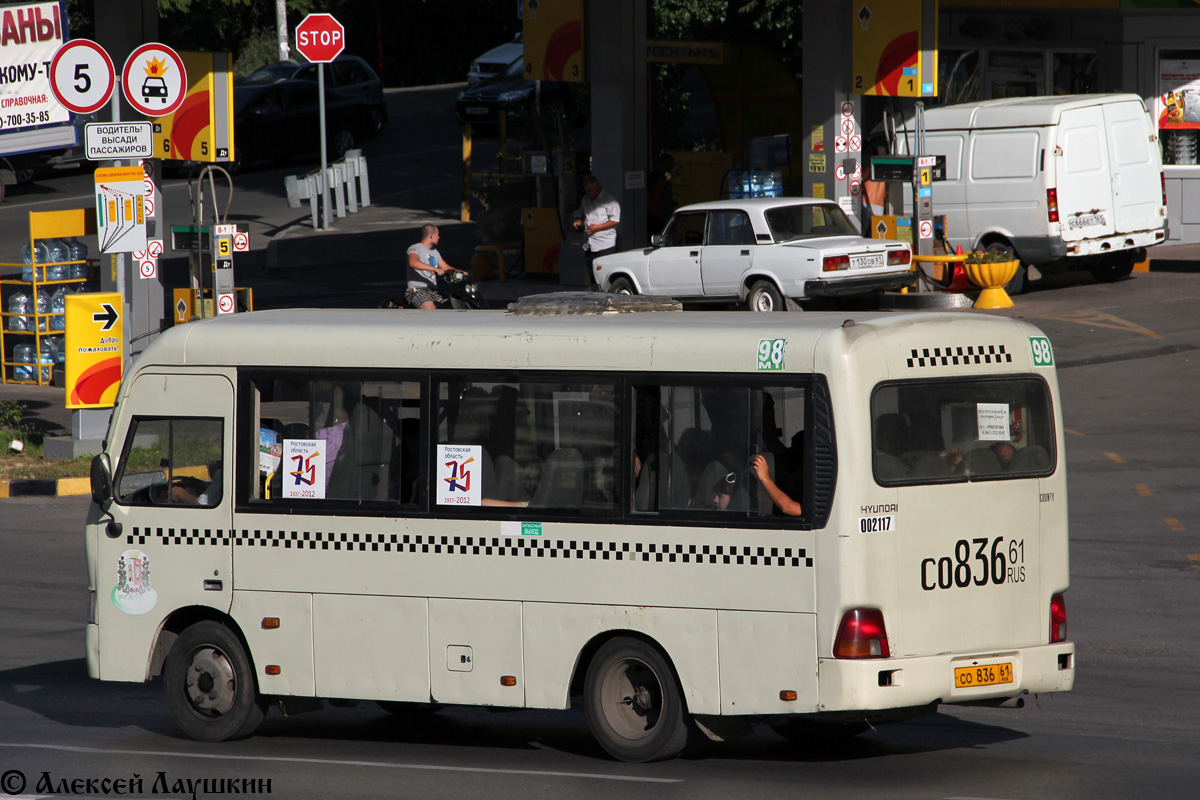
(919, 171)
(210, 248)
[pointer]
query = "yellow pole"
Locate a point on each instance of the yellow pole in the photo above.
(465, 214)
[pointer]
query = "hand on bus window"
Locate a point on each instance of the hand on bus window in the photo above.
(781, 500)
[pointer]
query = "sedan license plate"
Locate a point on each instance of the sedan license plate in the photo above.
(476, 111)
(868, 260)
(985, 675)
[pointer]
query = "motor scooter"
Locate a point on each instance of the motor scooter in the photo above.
(459, 287)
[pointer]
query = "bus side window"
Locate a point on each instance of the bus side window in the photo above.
(358, 428)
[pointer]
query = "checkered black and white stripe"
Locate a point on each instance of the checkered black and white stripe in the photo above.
(494, 546)
(956, 356)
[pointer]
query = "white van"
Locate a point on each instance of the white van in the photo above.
(1070, 182)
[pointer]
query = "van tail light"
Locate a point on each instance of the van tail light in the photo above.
(1058, 618)
(862, 635)
(1052, 204)
(1162, 176)
(834, 263)
(898, 258)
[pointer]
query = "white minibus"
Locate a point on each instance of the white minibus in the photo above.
(686, 522)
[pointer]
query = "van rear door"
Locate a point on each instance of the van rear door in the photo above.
(1136, 168)
(1083, 180)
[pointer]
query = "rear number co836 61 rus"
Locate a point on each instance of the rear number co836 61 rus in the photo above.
(976, 562)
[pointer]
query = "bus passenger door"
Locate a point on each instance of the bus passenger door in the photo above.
(171, 546)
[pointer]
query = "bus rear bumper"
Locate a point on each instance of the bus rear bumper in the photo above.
(876, 684)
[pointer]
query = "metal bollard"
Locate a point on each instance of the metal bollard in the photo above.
(364, 186)
(349, 171)
(304, 187)
(337, 185)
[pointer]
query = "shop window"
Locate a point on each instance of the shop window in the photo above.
(958, 76)
(1075, 73)
(1177, 106)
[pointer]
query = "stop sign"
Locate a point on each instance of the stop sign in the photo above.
(320, 38)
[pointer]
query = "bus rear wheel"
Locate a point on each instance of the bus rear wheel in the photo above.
(633, 703)
(210, 685)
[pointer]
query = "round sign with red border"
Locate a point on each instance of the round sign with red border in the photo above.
(225, 303)
(82, 76)
(847, 109)
(148, 269)
(926, 229)
(855, 188)
(856, 142)
(154, 80)
(155, 248)
(241, 242)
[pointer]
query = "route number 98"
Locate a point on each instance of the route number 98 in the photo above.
(770, 353)
(1043, 355)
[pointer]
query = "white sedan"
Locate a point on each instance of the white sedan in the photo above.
(759, 251)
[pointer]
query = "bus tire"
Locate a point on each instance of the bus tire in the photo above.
(621, 286)
(634, 706)
(210, 685)
(764, 297)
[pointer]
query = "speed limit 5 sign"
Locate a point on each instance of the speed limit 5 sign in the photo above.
(82, 76)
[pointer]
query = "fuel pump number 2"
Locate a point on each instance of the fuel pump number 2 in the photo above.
(976, 562)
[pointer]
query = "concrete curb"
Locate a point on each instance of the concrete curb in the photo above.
(45, 487)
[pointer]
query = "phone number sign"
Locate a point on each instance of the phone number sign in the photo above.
(30, 34)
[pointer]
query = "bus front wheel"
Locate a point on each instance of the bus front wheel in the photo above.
(633, 702)
(210, 685)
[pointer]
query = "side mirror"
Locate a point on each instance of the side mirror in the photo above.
(656, 240)
(101, 480)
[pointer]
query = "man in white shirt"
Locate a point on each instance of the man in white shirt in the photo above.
(598, 216)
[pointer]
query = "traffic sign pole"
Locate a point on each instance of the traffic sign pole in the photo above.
(324, 168)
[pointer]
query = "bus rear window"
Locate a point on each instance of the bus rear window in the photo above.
(958, 430)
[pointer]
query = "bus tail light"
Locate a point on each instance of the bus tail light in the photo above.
(1052, 204)
(861, 635)
(1058, 618)
(898, 258)
(1162, 176)
(834, 263)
